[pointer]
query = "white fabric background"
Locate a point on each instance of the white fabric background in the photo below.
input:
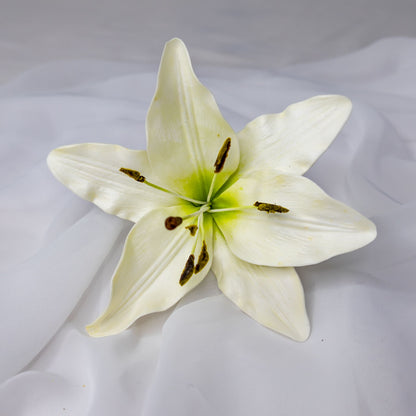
(249, 33)
(205, 357)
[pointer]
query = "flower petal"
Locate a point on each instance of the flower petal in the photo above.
(272, 296)
(292, 140)
(147, 276)
(316, 227)
(91, 170)
(185, 129)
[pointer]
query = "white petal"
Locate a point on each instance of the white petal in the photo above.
(91, 170)
(316, 227)
(147, 277)
(292, 140)
(185, 129)
(270, 295)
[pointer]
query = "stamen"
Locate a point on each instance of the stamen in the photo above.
(203, 258)
(211, 188)
(219, 164)
(133, 174)
(222, 155)
(211, 211)
(172, 222)
(261, 206)
(140, 178)
(270, 208)
(195, 201)
(188, 270)
(192, 229)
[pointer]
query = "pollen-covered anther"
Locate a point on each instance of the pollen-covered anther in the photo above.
(222, 155)
(270, 208)
(192, 229)
(203, 258)
(172, 222)
(188, 270)
(133, 174)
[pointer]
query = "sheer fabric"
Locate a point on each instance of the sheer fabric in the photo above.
(204, 356)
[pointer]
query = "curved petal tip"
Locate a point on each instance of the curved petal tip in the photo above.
(175, 46)
(343, 103)
(97, 330)
(175, 42)
(301, 333)
(92, 331)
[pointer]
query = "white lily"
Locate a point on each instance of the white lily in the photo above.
(204, 196)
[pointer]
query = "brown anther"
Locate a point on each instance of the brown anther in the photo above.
(203, 258)
(133, 174)
(222, 155)
(270, 208)
(192, 229)
(172, 222)
(188, 270)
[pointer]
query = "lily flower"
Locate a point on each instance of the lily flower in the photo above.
(202, 196)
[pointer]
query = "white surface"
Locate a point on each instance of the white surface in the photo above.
(203, 357)
(250, 33)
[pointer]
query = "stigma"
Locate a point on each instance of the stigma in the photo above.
(172, 222)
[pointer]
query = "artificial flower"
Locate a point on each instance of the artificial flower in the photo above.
(202, 196)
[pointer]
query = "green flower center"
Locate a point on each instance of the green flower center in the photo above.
(195, 220)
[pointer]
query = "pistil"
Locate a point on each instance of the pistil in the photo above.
(172, 222)
(204, 208)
